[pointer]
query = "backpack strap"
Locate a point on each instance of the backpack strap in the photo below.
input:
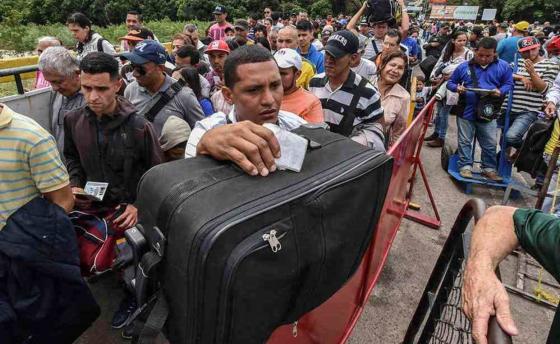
(100, 44)
(163, 100)
(346, 125)
(473, 75)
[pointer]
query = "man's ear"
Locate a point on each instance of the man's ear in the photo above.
(297, 74)
(228, 94)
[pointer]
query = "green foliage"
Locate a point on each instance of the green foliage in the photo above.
(321, 8)
(24, 37)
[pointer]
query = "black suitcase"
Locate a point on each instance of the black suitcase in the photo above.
(244, 254)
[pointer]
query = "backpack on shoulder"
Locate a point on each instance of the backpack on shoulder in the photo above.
(384, 11)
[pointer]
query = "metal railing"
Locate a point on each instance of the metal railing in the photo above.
(16, 72)
(439, 317)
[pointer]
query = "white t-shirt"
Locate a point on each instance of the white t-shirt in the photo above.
(366, 69)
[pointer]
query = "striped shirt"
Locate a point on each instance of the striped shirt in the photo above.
(30, 164)
(531, 101)
(337, 104)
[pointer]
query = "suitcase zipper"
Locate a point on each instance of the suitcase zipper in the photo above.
(203, 241)
(252, 244)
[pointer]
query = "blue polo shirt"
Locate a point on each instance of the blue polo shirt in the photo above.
(315, 57)
(412, 46)
(497, 74)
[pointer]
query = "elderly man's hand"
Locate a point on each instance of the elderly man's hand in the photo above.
(483, 296)
(250, 146)
(550, 110)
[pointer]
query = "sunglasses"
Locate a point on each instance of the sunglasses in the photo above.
(139, 68)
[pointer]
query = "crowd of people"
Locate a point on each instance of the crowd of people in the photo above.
(115, 112)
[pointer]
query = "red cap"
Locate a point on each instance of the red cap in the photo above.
(554, 46)
(218, 46)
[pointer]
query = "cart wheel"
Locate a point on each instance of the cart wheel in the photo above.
(446, 152)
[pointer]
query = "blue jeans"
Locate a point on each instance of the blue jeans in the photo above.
(519, 124)
(485, 135)
(441, 120)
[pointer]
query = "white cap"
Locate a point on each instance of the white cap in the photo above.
(287, 58)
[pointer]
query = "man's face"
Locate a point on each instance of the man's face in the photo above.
(273, 40)
(100, 91)
(65, 85)
(230, 34)
(241, 32)
(217, 60)
(78, 32)
(302, 16)
(177, 43)
(182, 61)
(304, 38)
(414, 34)
(380, 30)
(147, 74)
(532, 54)
(252, 22)
(220, 17)
(444, 30)
(390, 44)
(289, 77)
(364, 29)
(287, 39)
(193, 36)
(484, 56)
(258, 94)
(132, 21)
(336, 67)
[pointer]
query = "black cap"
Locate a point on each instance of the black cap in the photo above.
(342, 43)
(219, 9)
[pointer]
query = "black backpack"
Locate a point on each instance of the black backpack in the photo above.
(383, 11)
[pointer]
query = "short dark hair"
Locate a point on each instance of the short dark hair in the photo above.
(395, 33)
(189, 51)
(276, 15)
(264, 42)
(192, 79)
(98, 63)
(487, 43)
(304, 25)
(135, 13)
(243, 55)
(79, 19)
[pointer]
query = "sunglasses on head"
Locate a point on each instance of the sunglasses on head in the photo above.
(139, 68)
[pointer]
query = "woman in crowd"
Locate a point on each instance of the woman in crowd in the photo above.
(87, 40)
(261, 31)
(262, 41)
(190, 77)
(454, 53)
(394, 98)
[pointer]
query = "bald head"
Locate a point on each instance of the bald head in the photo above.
(287, 38)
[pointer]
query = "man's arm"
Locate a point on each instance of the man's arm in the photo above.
(192, 112)
(370, 134)
(483, 294)
(553, 94)
(405, 20)
(356, 18)
(455, 80)
(72, 157)
(62, 197)
(506, 81)
(315, 112)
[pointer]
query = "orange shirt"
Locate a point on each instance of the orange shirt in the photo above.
(305, 105)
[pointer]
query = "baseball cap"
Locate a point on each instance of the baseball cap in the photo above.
(219, 9)
(137, 35)
(527, 43)
(241, 24)
(504, 25)
(218, 46)
(146, 51)
(174, 131)
(342, 43)
(286, 58)
(364, 23)
(554, 45)
(521, 26)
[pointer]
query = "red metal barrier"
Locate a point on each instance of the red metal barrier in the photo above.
(334, 320)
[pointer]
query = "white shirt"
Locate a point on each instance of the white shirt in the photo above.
(286, 120)
(366, 69)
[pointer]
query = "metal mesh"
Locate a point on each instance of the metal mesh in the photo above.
(452, 327)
